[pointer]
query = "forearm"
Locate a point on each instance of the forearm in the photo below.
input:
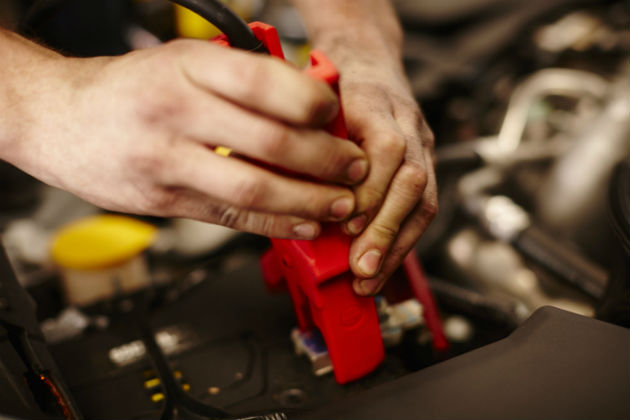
(337, 26)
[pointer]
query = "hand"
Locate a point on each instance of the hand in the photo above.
(134, 134)
(398, 199)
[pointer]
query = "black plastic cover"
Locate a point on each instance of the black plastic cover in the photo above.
(557, 365)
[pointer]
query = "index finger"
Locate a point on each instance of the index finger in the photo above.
(413, 227)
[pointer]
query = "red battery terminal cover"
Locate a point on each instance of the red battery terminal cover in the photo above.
(316, 273)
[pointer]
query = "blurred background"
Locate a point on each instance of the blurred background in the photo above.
(530, 105)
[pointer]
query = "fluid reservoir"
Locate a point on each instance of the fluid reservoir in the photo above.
(101, 257)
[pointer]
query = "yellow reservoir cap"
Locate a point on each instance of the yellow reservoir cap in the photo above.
(191, 25)
(100, 242)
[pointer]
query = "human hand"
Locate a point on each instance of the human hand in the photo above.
(398, 199)
(133, 134)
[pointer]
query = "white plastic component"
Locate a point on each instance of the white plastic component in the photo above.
(86, 287)
(458, 329)
(395, 319)
(312, 345)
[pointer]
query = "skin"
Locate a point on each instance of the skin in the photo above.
(398, 199)
(134, 134)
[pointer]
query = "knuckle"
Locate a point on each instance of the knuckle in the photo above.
(394, 146)
(416, 112)
(334, 160)
(415, 178)
(315, 103)
(274, 139)
(179, 45)
(369, 198)
(248, 221)
(253, 80)
(160, 105)
(248, 193)
(314, 201)
(158, 201)
(385, 231)
(430, 208)
(149, 163)
(229, 216)
(398, 252)
(267, 226)
(427, 136)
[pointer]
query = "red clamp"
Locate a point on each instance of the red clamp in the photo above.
(316, 272)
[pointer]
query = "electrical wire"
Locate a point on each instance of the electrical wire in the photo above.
(220, 15)
(62, 399)
(39, 12)
(176, 400)
(214, 11)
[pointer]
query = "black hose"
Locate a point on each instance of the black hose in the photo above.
(175, 397)
(475, 304)
(562, 260)
(458, 154)
(176, 400)
(214, 11)
(235, 28)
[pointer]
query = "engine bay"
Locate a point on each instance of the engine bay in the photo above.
(530, 108)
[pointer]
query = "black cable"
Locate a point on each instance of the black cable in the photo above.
(235, 28)
(39, 13)
(175, 398)
(62, 398)
(474, 303)
(214, 11)
(458, 154)
(562, 260)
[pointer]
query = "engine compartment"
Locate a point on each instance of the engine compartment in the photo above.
(529, 103)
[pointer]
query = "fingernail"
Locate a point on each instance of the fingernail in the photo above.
(369, 286)
(357, 170)
(305, 231)
(356, 224)
(370, 262)
(342, 207)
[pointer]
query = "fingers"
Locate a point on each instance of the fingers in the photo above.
(248, 187)
(373, 244)
(261, 83)
(302, 150)
(415, 225)
(392, 189)
(385, 145)
(195, 205)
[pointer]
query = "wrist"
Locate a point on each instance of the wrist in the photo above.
(353, 27)
(344, 47)
(28, 74)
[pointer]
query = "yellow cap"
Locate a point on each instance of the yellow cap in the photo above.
(100, 242)
(191, 25)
